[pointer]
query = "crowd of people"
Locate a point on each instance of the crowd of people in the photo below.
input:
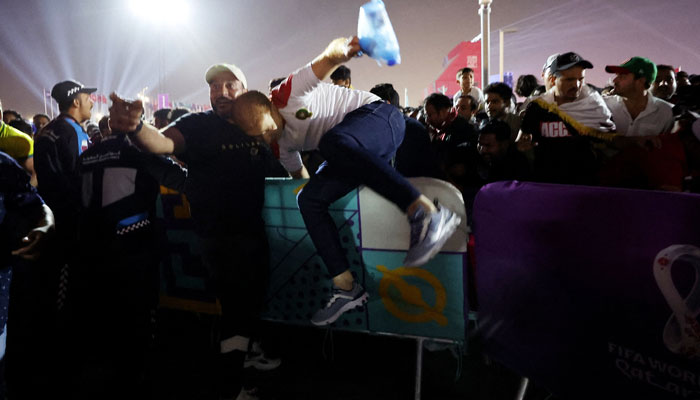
(78, 197)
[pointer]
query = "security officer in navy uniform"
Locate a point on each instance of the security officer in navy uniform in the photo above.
(42, 295)
(114, 289)
(56, 152)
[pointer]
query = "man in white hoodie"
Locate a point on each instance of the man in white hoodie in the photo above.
(564, 123)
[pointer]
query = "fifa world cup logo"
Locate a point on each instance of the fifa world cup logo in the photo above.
(682, 331)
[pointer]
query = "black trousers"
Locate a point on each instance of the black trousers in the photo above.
(238, 265)
(112, 297)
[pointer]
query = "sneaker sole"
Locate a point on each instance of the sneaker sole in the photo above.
(353, 304)
(269, 366)
(450, 228)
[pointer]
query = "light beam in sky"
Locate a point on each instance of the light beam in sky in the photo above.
(161, 11)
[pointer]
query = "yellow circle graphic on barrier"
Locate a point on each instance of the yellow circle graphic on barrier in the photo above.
(412, 295)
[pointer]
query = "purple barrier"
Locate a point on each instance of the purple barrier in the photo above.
(591, 292)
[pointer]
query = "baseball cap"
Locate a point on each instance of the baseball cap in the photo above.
(639, 66)
(565, 61)
(217, 68)
(550, 60)
(66, 90)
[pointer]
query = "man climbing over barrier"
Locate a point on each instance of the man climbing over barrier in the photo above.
(357, 134)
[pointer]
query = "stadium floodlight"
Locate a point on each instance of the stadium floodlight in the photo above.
(161, 11)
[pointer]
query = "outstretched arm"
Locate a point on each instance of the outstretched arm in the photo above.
(125, 116)
(338, 51)
(36, 237)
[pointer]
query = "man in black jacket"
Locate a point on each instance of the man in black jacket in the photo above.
(115, 286)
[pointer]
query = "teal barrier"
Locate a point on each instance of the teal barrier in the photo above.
(424, 302)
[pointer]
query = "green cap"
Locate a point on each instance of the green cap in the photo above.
(639, 66)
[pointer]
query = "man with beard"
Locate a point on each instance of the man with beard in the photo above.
(638, 115)
(498, 98)
(225, 187)
(635, 110)
(564, 122)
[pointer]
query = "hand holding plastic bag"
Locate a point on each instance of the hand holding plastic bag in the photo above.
(377, 37)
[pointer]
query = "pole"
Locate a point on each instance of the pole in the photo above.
(419, 368)
(485, 12)
(501, 34)
(500, 54)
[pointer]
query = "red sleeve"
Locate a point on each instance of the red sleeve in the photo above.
(667, 165)
(275, 149)
(281, 93)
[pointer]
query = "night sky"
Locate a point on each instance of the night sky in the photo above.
(103, 43)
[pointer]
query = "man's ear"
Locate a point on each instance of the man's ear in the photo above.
(643, 82)
(445, 112)
(76, 102)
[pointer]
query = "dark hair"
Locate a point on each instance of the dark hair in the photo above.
(13, 112)
(664, 66)
(498, 128)
(525, 85)
(21, 125)
(162, 113)
(275, 82)
(539, 90)
(104, 121)
(92, 129)
(501, 89)
(464, 70)
(681, 74)
(473, 104)
(177, 113)
(40, 115)
(386, 92)
(438, 100)
(342, 72)
(65, 106)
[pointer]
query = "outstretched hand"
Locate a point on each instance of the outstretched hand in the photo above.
(124, 115)
(34, 244)
(338, 51)
(341, 50)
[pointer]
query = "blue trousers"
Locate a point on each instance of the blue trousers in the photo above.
(357, 152)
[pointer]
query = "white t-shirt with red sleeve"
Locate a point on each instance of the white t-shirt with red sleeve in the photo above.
(310, 108)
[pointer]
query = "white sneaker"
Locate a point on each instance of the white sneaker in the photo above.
(429, 232)
(256, 358)
(248, 394)
(340, 302)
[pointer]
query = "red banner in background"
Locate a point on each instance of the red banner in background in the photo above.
(465, 54)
